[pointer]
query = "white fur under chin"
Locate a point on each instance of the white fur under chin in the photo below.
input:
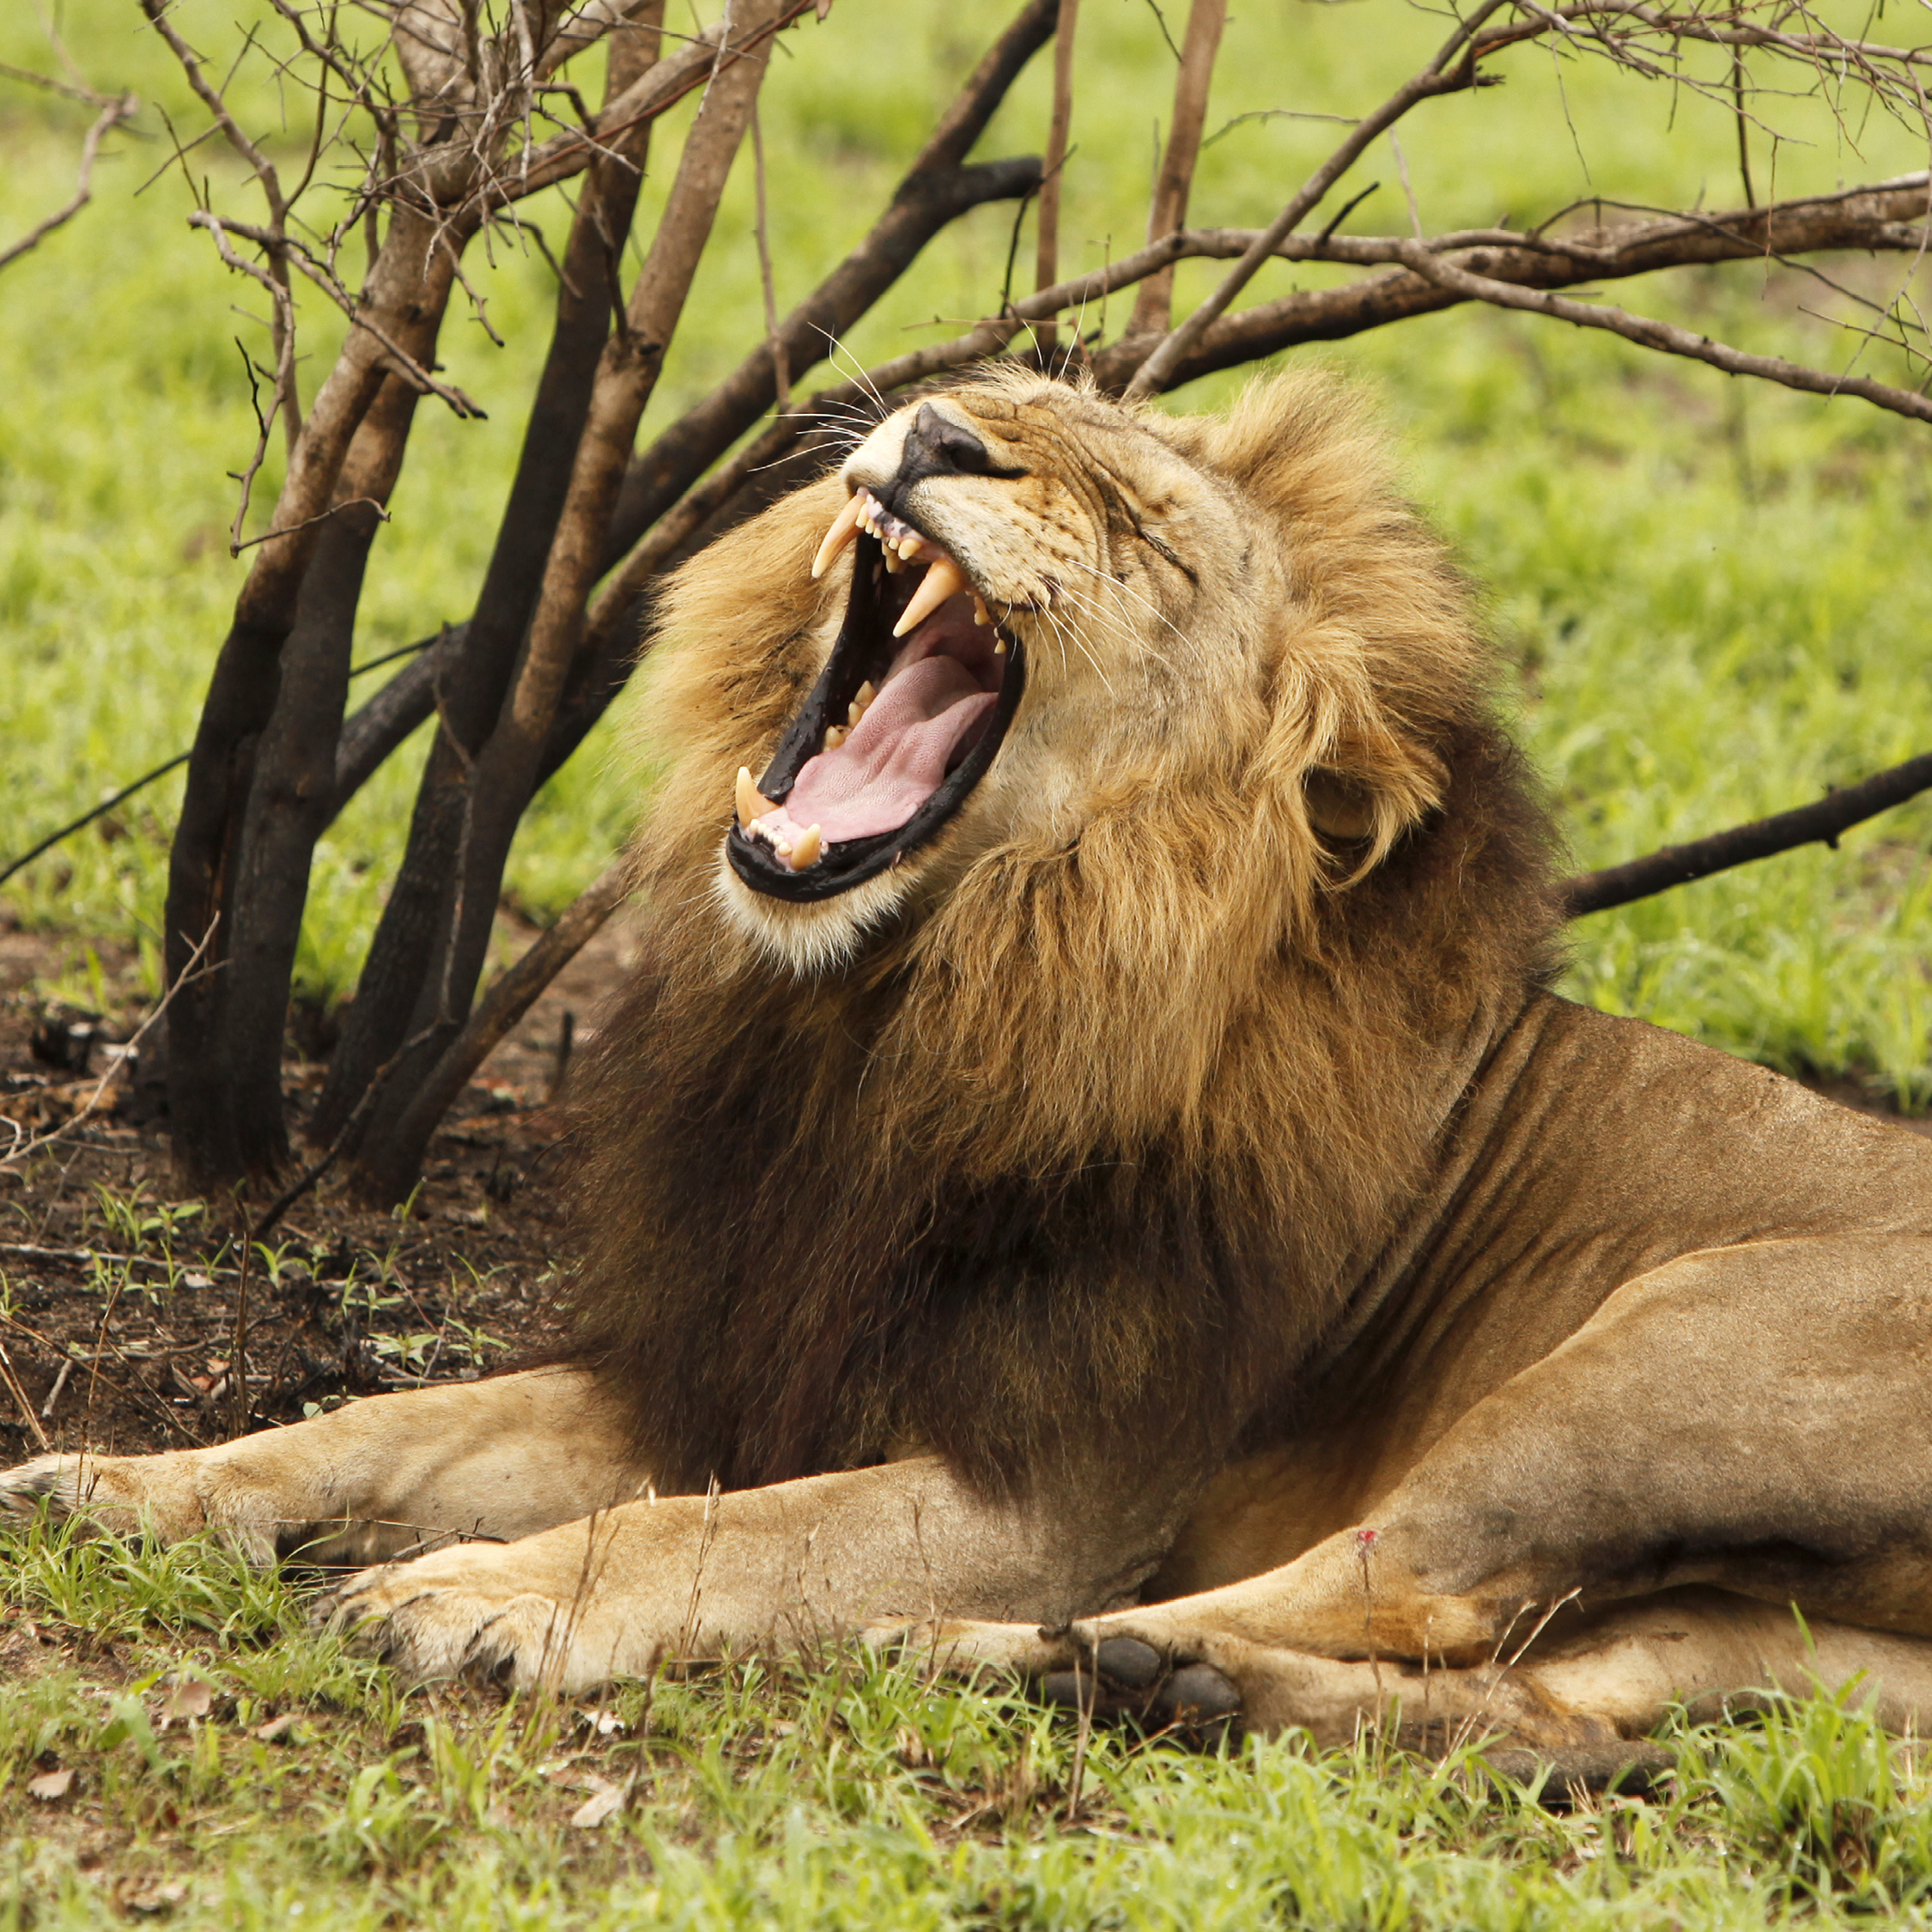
(812, 939)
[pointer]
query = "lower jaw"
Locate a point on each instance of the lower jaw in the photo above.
(846, 865)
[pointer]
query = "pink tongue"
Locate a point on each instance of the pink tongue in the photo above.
(896, 756)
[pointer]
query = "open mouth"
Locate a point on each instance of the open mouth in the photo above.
(907, 716)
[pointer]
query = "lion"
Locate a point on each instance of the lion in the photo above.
(1091, 1175)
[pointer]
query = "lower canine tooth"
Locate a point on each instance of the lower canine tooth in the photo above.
(805, 852)
(751, 802)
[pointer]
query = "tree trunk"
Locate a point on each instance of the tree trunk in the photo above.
(470, 686)
(505, 772)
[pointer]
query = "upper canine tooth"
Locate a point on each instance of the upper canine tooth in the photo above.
(805, 852)
(943, 578)
(845, 528)
(751, 802)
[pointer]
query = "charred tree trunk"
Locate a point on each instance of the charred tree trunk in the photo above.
(504, 773)
(405, 301)
(466, 689)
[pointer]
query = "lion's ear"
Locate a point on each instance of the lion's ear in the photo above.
(1364, 790)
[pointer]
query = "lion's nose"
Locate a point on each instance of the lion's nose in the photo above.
(936, 445)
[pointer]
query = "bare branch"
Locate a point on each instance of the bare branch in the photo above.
(210, 98)
(1885, 216)
(1201, 43)
(1783, 831)
(409, 366)
(118, 110)
(1047, 218)
(1648, 333)
(1452, 71)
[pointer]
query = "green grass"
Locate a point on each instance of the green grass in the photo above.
(850, 1793)
(1714, 592)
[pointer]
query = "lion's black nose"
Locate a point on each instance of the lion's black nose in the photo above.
(936, 445)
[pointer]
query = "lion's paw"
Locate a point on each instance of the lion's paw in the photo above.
(1084, 1667)
(125, 1494)
(467, 1613)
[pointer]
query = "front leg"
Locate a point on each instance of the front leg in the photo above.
(690, 1576)
(1750, 1419)
(496, 1458)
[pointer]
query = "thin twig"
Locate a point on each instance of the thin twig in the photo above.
(110, 116)
(780, 371)
(192, 970)
(21, 1401)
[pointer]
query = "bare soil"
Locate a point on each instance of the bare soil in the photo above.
(141, 1323)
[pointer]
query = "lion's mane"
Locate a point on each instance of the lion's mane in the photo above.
(1089, 1153)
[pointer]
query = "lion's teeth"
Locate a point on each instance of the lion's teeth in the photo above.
(861, 703)
(844, 530)
(751, 802)
(981, 616)
(1000, 647)
(892, 563)
(805, 852)
(834, 737)
(943, 578)
(909, 548)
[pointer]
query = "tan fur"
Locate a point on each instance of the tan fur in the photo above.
(1170, 1197)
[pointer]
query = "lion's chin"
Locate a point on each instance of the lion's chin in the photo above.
(813, 937)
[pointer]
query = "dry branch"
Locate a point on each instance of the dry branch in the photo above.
(111, 114)
(1052, 163)
(1783, 831)
(1169, 208)
(1648, 333)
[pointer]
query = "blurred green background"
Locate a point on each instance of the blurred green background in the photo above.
(1716, 595)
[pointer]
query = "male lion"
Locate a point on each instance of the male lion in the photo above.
(1091, 1139)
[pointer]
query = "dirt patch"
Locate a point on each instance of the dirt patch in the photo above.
(126, 1320)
